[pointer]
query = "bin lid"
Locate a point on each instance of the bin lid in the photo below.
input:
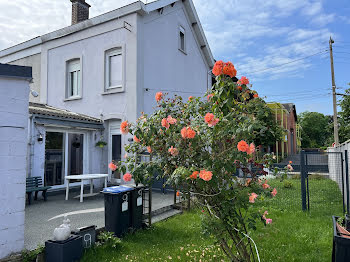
(117, 189)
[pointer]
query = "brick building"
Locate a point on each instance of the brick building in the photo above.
(286, 117)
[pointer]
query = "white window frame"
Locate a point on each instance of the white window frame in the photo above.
(118, 50)
(182, 30)
(86, 154)
(74, 65)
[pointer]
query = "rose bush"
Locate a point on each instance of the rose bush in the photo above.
(209, 148)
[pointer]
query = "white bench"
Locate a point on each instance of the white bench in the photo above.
(83, 177)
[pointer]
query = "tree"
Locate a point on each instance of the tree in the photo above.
(344, 117)
(316, 129)
(199, 145)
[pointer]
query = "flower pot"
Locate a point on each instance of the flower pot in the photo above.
(341, 242)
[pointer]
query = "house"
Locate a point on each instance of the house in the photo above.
(286, 117)
(94, 74)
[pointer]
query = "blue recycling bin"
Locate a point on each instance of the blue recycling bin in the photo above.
(117, 209)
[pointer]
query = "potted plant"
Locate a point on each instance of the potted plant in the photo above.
(341, 240)
(101, 144)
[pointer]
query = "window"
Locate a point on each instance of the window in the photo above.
(182, 39)
(73, 79)
(114, 69)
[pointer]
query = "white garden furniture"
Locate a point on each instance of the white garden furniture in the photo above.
(83, 177)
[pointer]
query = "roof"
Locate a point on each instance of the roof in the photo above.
(136, 7)
(291, 107)
(46, 111)
(7, 70)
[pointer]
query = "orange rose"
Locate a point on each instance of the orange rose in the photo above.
(127, 177)
(165, 123)
(251, 149)
(210, 119)
(229, 69)
(194, 175)
(136, 139)
(173, 151)
(149, 149)
(206, 175)
(209, 97)
(159, 96)
(188, 132)
(171, 120)
(244, 80)
(112, 166)
(242, 146)
(217, 69)
(124, 128)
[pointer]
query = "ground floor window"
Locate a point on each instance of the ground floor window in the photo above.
(64, 155)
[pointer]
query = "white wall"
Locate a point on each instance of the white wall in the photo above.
(166, 68)
(13, 150)
(90, 46)
(335, 170)
(34, 61)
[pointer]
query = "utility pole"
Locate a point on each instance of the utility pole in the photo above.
(335, 116)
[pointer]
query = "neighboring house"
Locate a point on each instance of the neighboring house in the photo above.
(286, 116)
(98, 72)
(14, 92)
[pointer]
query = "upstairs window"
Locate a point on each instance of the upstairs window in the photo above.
(114, 69)
(182, 39)
(73, 79)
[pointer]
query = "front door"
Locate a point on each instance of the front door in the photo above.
(115, 150)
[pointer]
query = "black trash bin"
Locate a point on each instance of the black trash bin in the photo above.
(136, 212)
(341, 245)
(117, 209)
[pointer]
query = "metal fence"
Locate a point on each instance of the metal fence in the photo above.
(316, 169)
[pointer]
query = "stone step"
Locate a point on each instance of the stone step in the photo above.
(165, 215)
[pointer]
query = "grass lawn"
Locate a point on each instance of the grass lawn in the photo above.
(293, 236)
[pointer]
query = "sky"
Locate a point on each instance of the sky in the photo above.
(280, 45)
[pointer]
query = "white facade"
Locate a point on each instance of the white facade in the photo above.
(13, 150)
(152, 59)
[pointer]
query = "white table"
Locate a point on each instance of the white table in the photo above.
(83, 177)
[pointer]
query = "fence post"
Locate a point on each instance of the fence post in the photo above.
(347, 180)
(342, 180)
(302, 179)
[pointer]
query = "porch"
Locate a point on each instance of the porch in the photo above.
(41, 217)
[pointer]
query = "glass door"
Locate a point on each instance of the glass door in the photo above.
(75, 155)
(116, 152)
(54, 158)
(115, 149)
(64, 156)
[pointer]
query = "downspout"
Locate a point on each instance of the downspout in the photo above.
(32, 141)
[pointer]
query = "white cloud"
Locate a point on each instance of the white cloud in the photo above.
(263, 29)
(255, 34)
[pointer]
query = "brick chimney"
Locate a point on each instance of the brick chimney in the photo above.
(80, 11)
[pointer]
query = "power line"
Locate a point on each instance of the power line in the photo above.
(290, 62)
(341, 52)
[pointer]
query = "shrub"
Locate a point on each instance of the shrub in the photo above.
(287, 184)
(198, 145)
(108, 239)
(31, 255)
